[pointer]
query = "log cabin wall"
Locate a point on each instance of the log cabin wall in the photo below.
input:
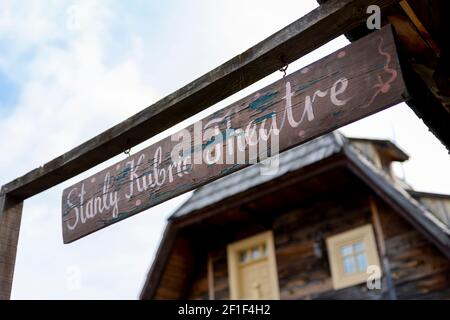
(177, 271)
(304, 274)
(417, 268)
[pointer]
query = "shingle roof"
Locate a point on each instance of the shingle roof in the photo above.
(302, 156)
(249, 177)
(416, 210)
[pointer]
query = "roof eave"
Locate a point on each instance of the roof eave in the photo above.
(408, 207)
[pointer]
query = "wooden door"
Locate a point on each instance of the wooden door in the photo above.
(252, 268)
(255, 281)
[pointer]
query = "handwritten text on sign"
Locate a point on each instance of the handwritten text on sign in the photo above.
(352, 83)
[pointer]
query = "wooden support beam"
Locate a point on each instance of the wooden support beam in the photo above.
(420, 27)
(393, 197)
(10, 216)
(321, 25)
(382, 248)
(427, 106)
(427, 84)
(211, 291)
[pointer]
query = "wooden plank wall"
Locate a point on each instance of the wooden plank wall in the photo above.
(303, 274)
(177, 272)
(419, 270)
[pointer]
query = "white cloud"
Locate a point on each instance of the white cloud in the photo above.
(69, 94)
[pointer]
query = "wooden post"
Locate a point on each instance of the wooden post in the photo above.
(10, 216)
(211, 293)
(382, 248)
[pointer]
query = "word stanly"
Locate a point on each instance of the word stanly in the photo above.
(352, 83)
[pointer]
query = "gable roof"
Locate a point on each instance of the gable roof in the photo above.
(294, 159)
(392, 192)
(302, 156)
(249, 177)
(387, 147)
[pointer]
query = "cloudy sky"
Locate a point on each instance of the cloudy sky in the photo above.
(71, 69)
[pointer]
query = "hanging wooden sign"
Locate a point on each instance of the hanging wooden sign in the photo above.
(352, 83)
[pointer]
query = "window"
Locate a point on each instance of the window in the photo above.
(252, 268)
(350, 253)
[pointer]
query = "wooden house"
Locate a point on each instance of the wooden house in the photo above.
(334, 222)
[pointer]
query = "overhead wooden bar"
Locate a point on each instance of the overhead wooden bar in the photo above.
(311, 31)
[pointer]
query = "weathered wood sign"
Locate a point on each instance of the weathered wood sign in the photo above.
(352, 83)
